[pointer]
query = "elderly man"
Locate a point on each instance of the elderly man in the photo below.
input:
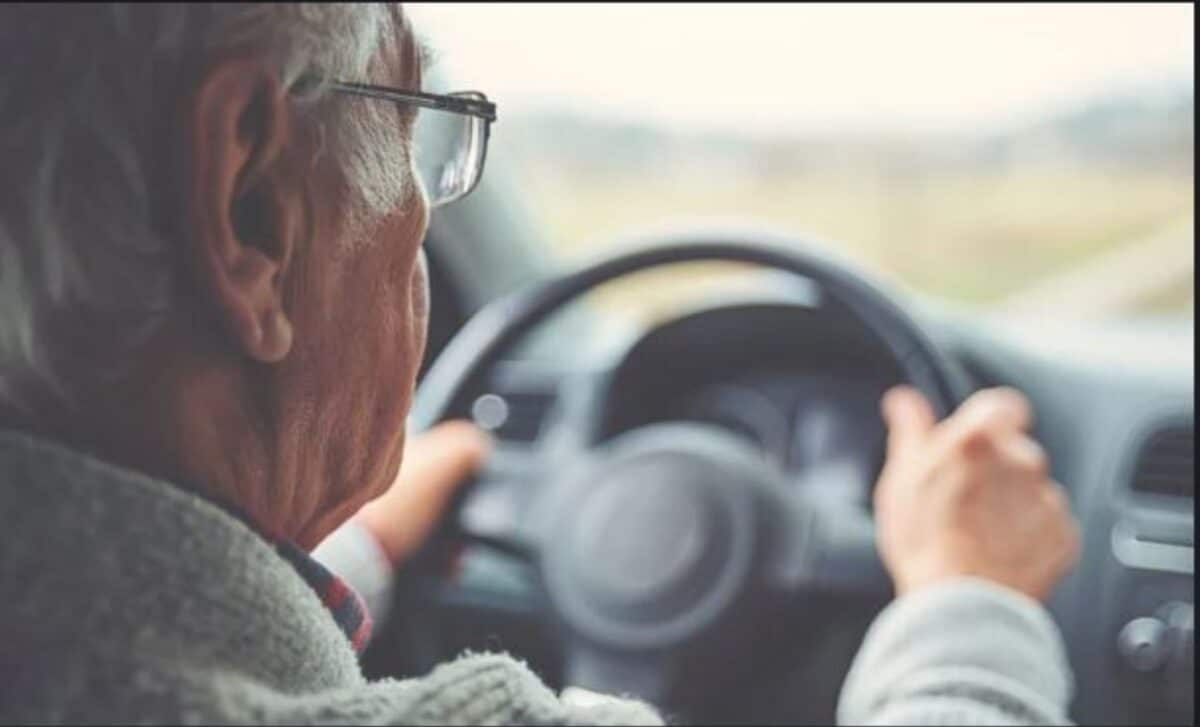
(212, 311)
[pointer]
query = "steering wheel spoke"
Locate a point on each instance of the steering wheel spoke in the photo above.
(825, 547)
(497, 505)
(493, 505)
(848, 561)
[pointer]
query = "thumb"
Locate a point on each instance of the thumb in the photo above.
(439, 459)
(435, 463)
(909, 419)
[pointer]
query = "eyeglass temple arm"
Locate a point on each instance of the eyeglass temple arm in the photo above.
(456, 103)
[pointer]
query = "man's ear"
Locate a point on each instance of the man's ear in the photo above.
(239, 210)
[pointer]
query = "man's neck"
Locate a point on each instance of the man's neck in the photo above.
(170, 418)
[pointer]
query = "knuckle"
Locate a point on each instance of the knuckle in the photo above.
(991, 395)
(998, 407)
(979, 406)
(1039, 461)
(1004, 398)
(975, 444)
(1056, 499)
(1013, 403)
(1011, 396)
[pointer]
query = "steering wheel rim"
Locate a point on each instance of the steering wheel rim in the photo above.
(497, 327)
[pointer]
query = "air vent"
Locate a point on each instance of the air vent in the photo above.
(513, 416)
(1167, 463)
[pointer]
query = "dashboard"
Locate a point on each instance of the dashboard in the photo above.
(807, 399)
(821, 430)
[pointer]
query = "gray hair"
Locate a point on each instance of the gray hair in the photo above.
(88, 268)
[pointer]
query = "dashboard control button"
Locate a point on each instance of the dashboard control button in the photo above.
(1180, 621)
(1145, 644)
(490, 411)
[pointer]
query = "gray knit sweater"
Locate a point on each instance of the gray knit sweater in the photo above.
(125, 599)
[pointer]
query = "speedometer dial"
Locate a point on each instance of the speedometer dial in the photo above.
(747, 412)
(836, 436)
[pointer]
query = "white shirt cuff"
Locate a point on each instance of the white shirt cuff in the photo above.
(356, 557)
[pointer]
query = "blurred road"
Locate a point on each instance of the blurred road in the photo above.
(1116, 281)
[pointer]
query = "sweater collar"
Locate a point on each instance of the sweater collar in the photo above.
(344, 604)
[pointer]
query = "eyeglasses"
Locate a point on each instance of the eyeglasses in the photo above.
(449, 138)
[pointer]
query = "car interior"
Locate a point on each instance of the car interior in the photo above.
(680, 508)
(1122, 437)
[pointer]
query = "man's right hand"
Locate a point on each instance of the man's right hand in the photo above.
(970, 496)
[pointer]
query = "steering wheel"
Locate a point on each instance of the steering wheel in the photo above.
(673, 545)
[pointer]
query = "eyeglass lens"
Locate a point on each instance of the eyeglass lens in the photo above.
(448, 150)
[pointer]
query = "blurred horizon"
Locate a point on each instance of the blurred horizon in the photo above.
(1025, 158)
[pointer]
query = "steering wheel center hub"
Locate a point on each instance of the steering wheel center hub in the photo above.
(661, 541)
(645, 529)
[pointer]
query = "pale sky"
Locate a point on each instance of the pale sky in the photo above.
(814, 67)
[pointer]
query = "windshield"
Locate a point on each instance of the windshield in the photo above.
(1020, 158)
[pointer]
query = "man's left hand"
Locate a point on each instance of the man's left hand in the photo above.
(435, 463)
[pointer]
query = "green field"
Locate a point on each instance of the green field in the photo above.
(970, 235)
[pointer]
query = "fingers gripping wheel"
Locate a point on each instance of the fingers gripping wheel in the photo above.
(656, 542)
